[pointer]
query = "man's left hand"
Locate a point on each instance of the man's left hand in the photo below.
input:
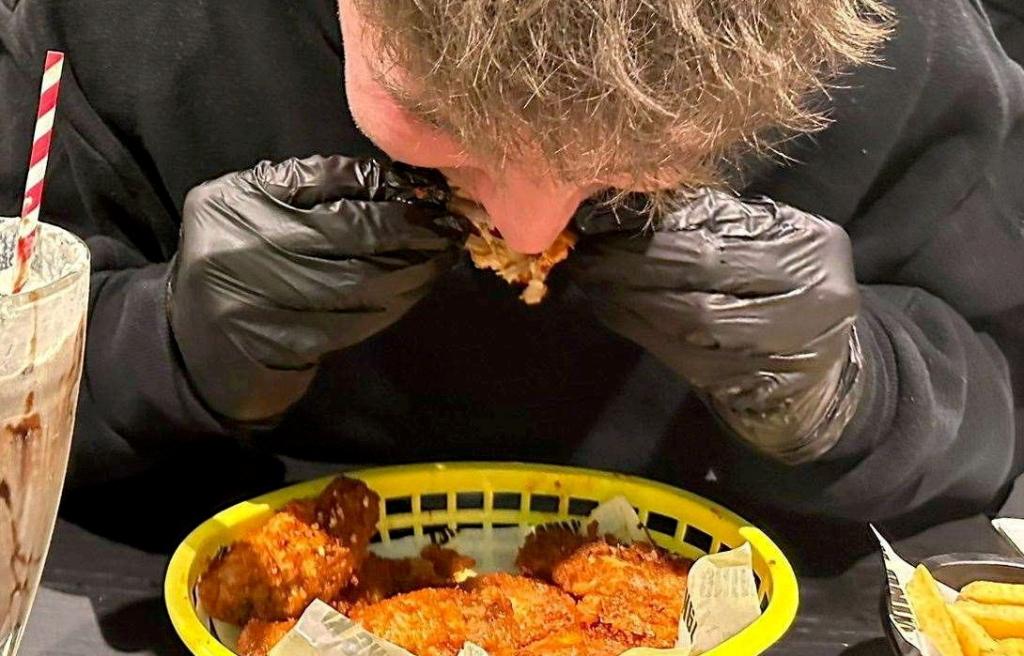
(752, 302)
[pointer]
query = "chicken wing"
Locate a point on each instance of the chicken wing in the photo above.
(449, 565)
(259, 637)
(303, 510)
(636, 590)
(379, 578)
(308, 550)
(349, 510)
(578, 641)
(547, 546)
(537, 608)
(275, 571)
(438, 621)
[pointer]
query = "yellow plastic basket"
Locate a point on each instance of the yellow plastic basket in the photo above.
(419, 498)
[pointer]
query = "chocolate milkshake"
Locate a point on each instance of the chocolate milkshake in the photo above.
(42, 335)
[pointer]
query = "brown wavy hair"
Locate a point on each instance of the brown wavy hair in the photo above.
(662, 91)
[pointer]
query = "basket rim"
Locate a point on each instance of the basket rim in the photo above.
(761, 634)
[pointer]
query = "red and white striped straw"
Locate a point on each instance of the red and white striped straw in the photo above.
(28, 227)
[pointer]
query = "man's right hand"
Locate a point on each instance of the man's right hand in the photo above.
(282, 264)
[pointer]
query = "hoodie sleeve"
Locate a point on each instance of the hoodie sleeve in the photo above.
(136, 400)
(923, 168)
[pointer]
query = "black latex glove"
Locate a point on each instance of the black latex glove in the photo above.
(752, 302)
(284, 263)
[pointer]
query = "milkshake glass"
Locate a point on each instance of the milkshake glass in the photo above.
(42, 338)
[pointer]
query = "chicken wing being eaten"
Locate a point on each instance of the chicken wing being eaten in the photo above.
(488, 250)
(635, 590)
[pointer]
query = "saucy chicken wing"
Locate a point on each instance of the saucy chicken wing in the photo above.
(379, 578)
(348, 510)
(537, 607)
(636, 590)
(439, 621)
(578, 641)
(308, 550)
(547, 546)
(274, 572)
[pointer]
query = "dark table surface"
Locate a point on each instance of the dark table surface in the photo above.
(101, 596)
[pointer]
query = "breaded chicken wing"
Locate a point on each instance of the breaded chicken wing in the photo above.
(349, 510)
(537, 607)
(636, 590)
(578, 641)
(547, 546)
(303, 510)
(259, 637)
(308, 550)
(449, 565)
(438, 621)
(379, 578)
(274, 572)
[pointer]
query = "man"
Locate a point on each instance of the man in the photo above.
(312, 306)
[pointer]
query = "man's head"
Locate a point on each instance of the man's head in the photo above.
(531, 106)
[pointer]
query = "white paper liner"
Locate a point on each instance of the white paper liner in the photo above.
(1013, 530)
(616, 517)
(322, 631)
(723, 601)
(469, 649)
(898, 573)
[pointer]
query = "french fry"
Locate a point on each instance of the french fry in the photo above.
(987, 592)
(1010, 647)
(1000, 621)
(930, 611)
(974, 640)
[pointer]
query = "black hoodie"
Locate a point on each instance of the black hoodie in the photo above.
(923, 167)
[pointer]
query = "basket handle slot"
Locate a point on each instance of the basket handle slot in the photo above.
(578, 507)
(398, 506)
(433, 502)
(660, 523)
(697, 538)
(469, 500)
(507, 501)
(545, 503)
